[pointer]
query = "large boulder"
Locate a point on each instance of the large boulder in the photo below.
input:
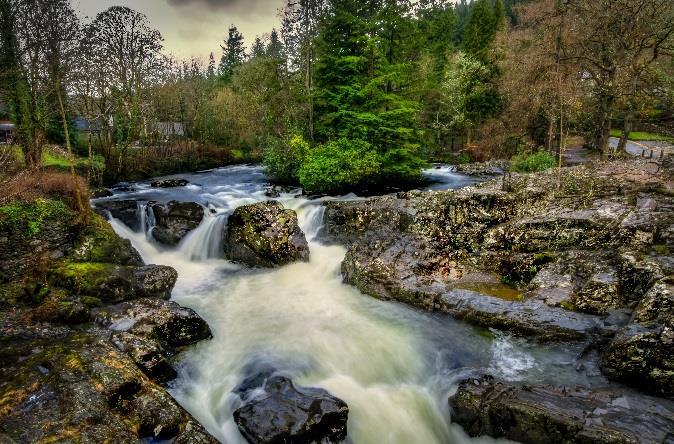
(534, 414)
(99, 243)
(174, 220)
(124, 210)
(114, 283)
(265, 235)
(276, 411)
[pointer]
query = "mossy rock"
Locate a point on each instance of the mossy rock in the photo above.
(265, 235)
(114, 283)
(99, 243)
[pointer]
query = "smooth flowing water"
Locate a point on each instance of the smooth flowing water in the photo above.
(393, 365)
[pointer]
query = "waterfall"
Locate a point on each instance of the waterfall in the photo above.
(206, 241)
(146, 217)
(311, 221)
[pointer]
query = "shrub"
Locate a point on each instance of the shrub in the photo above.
(28, 186)
(283, 159)
(401, 165)
(531, 163)
(339, 165)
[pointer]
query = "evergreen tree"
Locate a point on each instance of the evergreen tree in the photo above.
(210, 73)
(480, 29)
(275, 47)
(233, 53)
(258, 49)
(362, 79)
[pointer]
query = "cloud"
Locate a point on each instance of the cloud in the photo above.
(222, 5)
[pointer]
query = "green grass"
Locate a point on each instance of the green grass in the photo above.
(61, 162)
(643, 136)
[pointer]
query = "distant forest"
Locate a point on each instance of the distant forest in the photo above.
(344, 93)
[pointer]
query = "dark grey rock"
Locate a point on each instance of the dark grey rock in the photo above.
(124, 210)
(533, 414)
(175, 220)
(169, 183)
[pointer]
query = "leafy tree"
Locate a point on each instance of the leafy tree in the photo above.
(284, 157)
(481, 27)
(338, 166)
(233, 53)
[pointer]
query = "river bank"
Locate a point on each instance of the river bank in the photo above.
(480, 255)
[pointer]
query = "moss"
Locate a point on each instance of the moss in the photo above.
(100, 244)
(81, 278)
(29, 218)
(568, 305)
(661, 250)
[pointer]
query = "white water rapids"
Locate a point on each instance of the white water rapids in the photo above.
(393, 365)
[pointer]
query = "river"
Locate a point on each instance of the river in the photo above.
(393, 365)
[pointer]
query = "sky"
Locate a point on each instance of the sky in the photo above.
(194, 28)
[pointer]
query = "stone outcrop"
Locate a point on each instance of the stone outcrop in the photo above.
(76, 386)
(532, 414)
(275, 410)
(175, 220)
(564, 249)
(64, 378)
(265, 235)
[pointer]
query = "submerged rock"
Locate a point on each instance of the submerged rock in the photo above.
(169, 183)
(533, 414)
(277, 411)
(175, 220)
(265, 235)
(124, 210)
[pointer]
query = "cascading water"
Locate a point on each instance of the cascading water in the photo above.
(394, 366)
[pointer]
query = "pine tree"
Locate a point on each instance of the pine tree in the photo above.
(275, 47)
(233, 53)
(258, 49)
(210, 73)
(480, 29)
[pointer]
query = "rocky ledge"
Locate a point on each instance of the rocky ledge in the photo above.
(532, 414)
(87, 336)
(583, 255)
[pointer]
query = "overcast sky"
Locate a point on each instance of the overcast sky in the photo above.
(197, 27)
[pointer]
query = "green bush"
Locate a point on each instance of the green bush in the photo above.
(283, 159)
(338, 166)
(531, 163)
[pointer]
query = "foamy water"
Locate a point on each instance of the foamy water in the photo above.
(393, 365)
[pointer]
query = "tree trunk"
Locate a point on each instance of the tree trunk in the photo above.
(71, 158)
(606, 101)
(627, 129)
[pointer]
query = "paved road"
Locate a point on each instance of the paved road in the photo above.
(638, 148)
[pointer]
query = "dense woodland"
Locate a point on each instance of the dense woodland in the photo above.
(344, 93)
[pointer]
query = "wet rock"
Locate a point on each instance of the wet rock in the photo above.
(489, 168)
(265, 235)
(99, 243)
(642, 353)
(175, 220)
(535, 414)
(149, 357)
(99, 193)
(169, 325)
(169, 183)
(124, 210)
(275, 410)
(405, 268)
(82, 389)
(114, 283)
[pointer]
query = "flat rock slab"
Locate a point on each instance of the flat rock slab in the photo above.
(543, 414)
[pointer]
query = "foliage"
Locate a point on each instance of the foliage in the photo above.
(283, 158)
(643, 136)
(31, 216)
(338, 166)
(532, 163)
